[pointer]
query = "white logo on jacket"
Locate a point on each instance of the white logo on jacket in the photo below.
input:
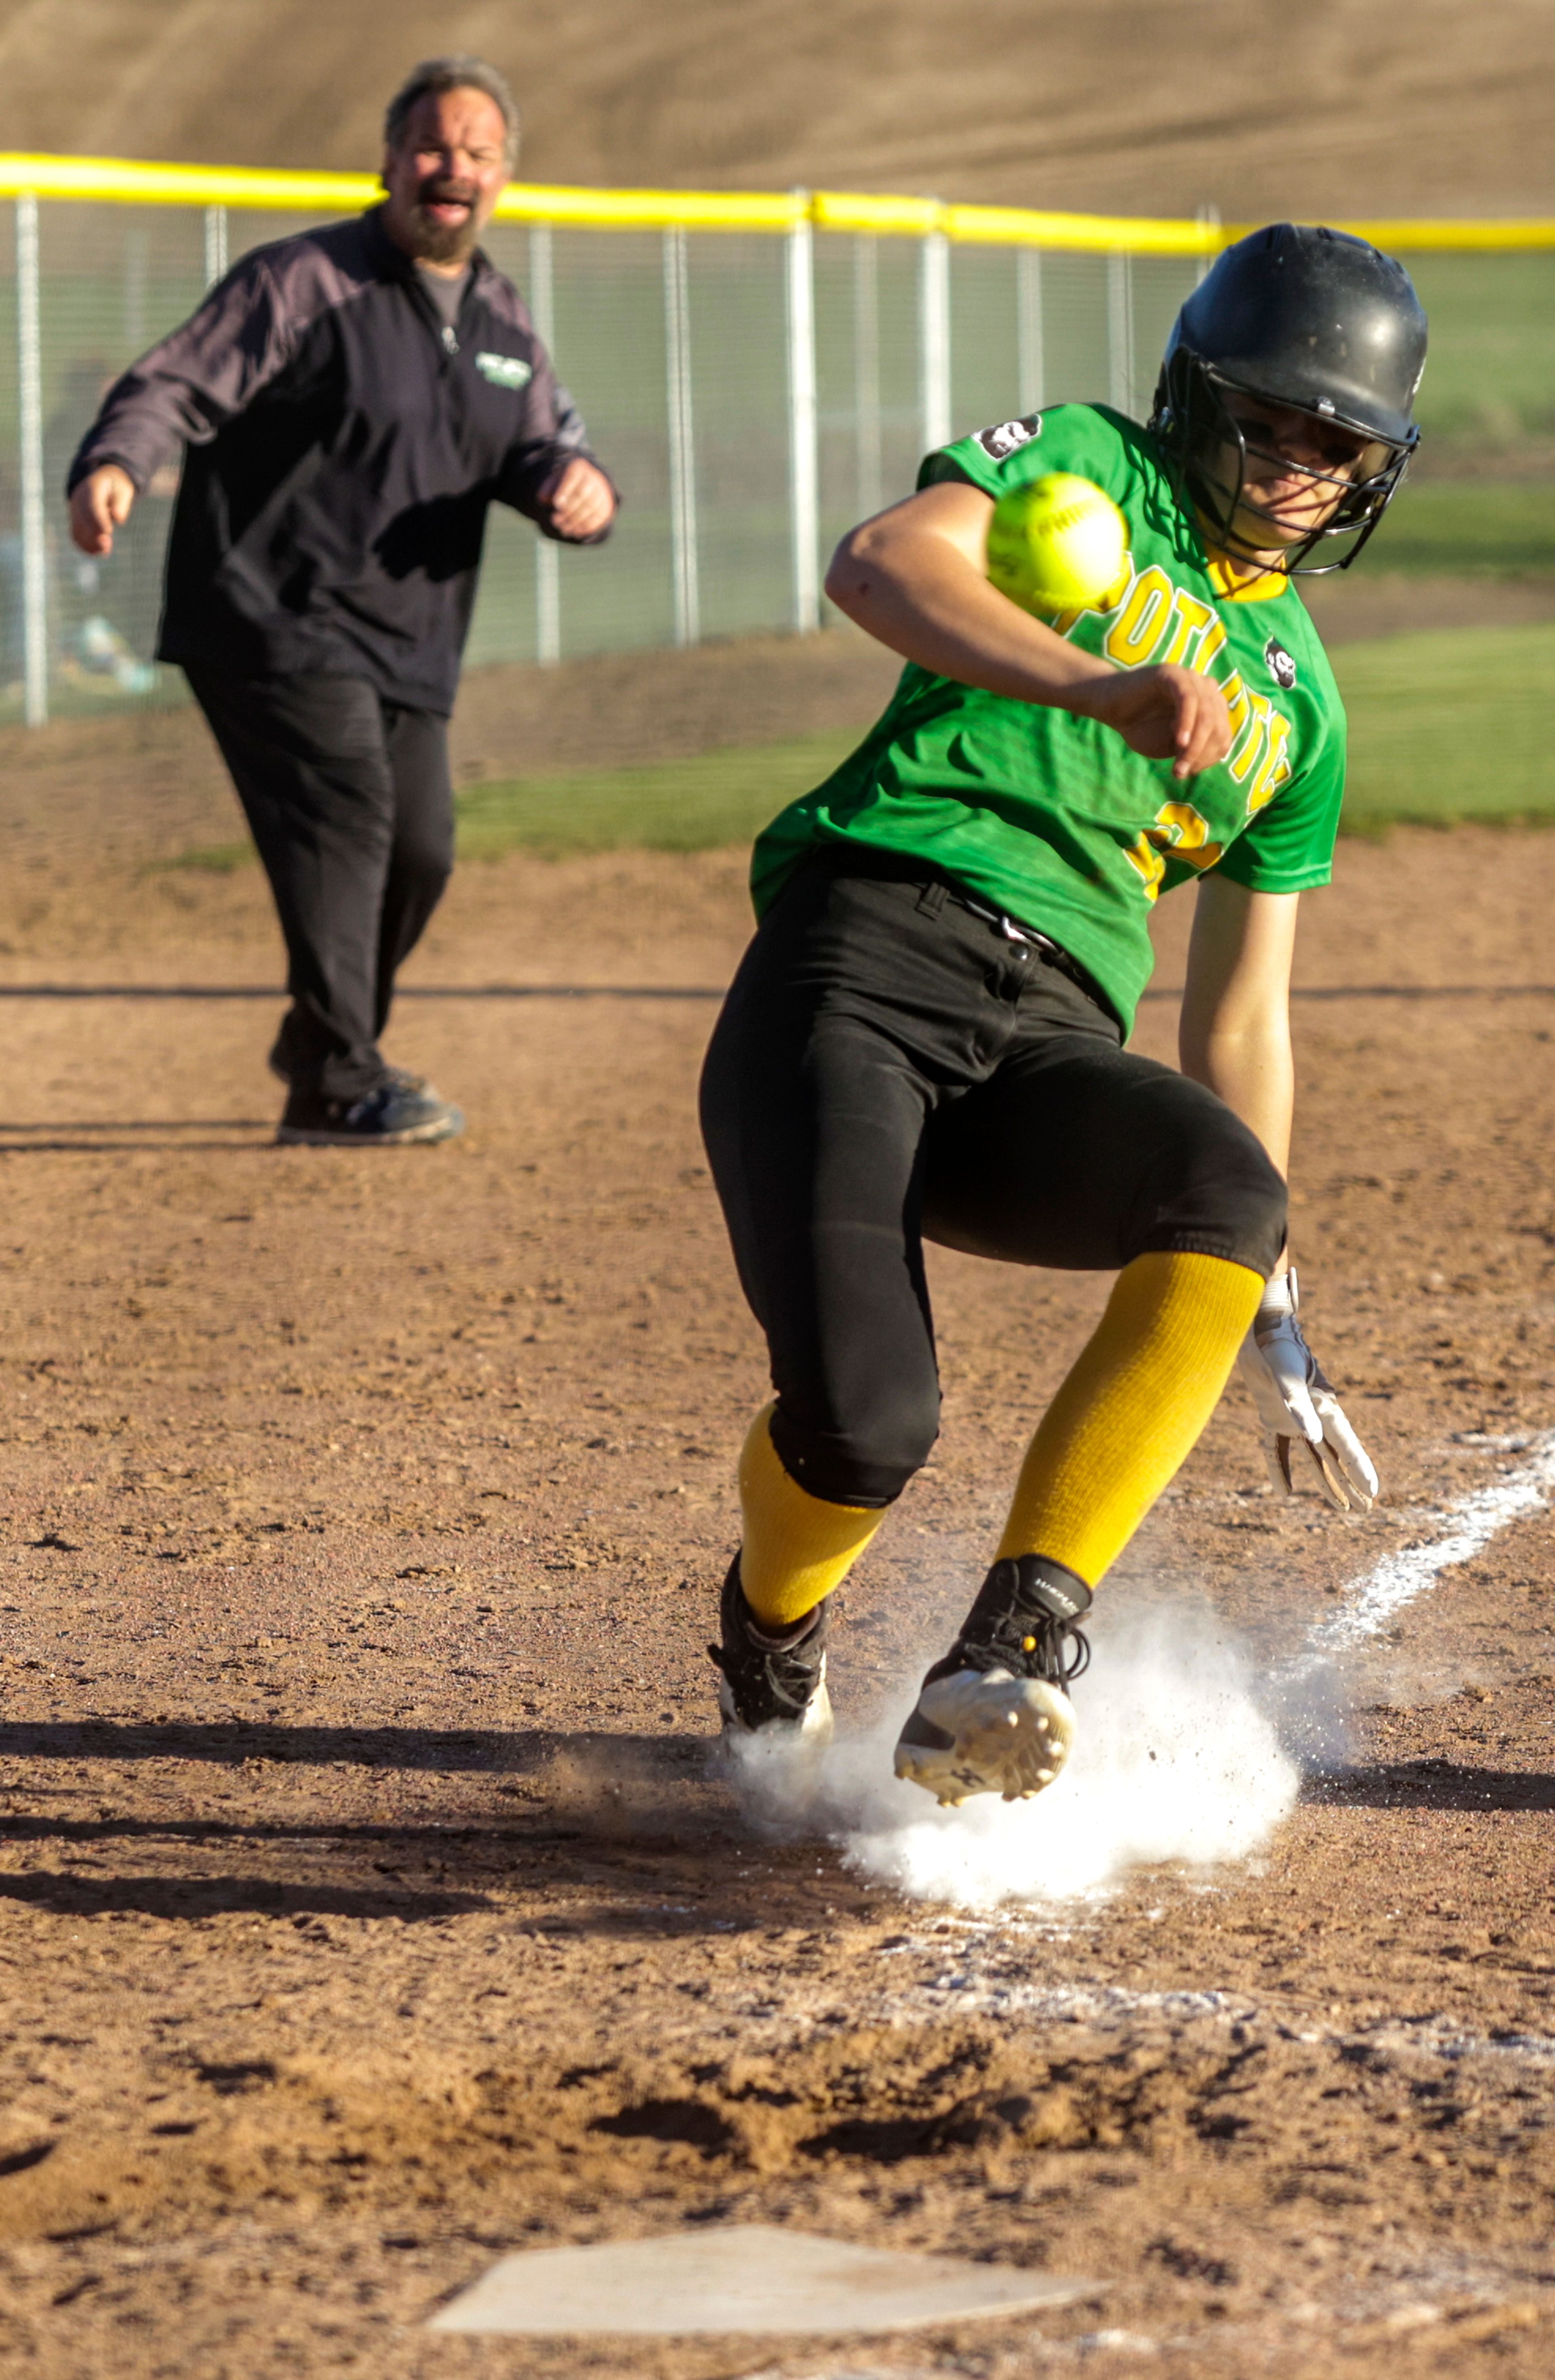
(505, 372)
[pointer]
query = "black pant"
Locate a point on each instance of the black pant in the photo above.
(890, 1068)
(351, 803)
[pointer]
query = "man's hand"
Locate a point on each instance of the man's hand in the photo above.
(1297, 1406)
(99, 504)
(1164, 714)
(580, 499)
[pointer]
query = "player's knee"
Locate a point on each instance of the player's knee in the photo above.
(1216, 1190)
(865, 1458)
(1253, 1208)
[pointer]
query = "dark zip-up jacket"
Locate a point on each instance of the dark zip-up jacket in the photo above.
(342, 450)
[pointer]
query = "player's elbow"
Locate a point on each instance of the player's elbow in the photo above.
(846, 579)
(854, 569)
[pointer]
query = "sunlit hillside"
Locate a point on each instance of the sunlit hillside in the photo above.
(1343, 107)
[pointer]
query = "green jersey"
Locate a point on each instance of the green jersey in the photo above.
(1051, 819)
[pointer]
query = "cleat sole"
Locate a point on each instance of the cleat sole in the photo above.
(984, 1731)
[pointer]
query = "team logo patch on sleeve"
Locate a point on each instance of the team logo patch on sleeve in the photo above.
(1282, 668)
(1005, 438)
(505, 372)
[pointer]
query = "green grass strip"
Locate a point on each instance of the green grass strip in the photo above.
(1468, 528)
(1445, 725)
(719, 798)
(1448, 725)
(212, 859)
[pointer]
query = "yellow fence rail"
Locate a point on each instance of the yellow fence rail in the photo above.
(127, 182)
(756, 395)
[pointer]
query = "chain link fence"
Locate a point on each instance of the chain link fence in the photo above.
(754, 393)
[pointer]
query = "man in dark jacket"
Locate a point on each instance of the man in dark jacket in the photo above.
(350, 402)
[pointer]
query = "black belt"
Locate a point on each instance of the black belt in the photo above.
(1053, 953)
(901, 867)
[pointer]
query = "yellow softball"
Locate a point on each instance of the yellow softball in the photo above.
(1056, 544)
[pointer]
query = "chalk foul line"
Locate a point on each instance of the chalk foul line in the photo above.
(1468, 1526)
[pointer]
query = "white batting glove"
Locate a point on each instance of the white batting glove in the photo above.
(1297, 1406)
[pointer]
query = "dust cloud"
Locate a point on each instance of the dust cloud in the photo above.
(1177, 1760)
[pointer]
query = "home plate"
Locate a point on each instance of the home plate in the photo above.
(750, 2276)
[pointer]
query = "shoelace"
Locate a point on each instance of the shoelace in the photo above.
(1035, 1632)
(783, 1671)
(1056, 1664)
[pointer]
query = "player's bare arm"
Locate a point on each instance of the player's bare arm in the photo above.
(1234, 1037)
(915, 577)
(1234, 1030)
(100, 505)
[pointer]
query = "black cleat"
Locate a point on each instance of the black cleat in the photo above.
(392, 1116)
(770, 1682)
(994, 1715)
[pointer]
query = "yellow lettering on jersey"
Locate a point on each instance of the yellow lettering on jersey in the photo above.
(1276, 767)
(1142, 854)
(1192, 615)
(1150, 609)
(1241, 759)
(1144, 616)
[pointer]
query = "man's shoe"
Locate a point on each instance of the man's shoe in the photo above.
(389, 1117)
(770, 1682)
(994, 1715)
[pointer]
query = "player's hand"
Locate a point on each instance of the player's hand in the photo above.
(99, 504)
(579, 498)
(1164, 714)
(1297, 1406)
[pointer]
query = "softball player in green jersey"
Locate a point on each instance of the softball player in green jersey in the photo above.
(1053, 817)
(925, 1038)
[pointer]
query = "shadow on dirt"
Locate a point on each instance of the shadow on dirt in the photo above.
(105, 1146)
(612, 1832)
(403, 991)
(119, 1123)
(234, 1742)
(1432, 1785)
(216, 1896)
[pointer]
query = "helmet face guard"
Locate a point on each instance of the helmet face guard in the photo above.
(1201, 431)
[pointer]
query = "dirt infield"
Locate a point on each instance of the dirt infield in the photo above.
(370, 1904)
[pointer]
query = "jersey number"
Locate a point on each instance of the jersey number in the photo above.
(1178, 827)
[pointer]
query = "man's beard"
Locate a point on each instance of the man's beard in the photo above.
(437, 243)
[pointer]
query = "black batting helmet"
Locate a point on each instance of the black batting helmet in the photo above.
(1313, 319)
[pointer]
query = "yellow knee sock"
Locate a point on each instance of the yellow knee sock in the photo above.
(1131, 1410)
(796, 1548)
